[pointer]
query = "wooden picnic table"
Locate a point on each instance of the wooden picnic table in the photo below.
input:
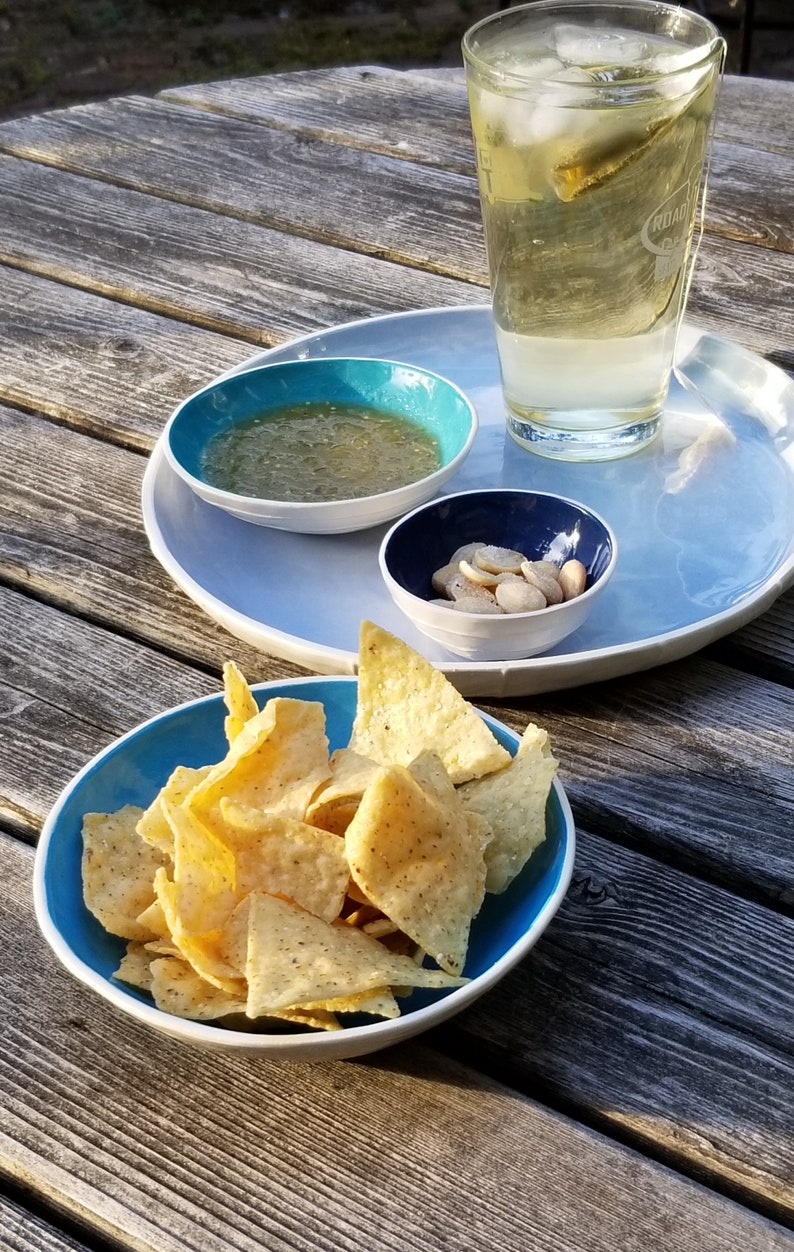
(629, 1085)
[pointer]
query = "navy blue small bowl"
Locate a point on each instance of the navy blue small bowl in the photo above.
(542, 526)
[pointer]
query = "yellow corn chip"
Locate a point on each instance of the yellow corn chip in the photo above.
(206, 952)
(335, 960)
(282, 856)
(153, 920)
(178, 989)
(205, 872)
(337, 800)
(406, 706)
(238, 699)
(118, 868)
(378, 1003)
(276, 762)
(153, 825)
(135, 966)
(411, 852)
(513, 803)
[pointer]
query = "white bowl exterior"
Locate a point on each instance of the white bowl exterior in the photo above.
(491, 636)
(332, 517)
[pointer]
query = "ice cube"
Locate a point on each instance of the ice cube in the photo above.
(581, 46)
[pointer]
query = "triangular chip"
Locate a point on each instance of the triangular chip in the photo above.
(413, 855)
(276, 762)
(135, 967)
(282, 856)
(118, 868)
(337, 800)
(513, 803)
(177, 988)
(153, 825)
(206, 952)
(335, 960)
(239, 700)
(406, 706)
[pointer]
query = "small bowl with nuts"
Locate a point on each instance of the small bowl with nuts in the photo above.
(498, 575)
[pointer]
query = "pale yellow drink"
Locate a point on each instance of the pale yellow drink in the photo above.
(591, 139)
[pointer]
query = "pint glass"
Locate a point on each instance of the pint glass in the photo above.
(591, 124)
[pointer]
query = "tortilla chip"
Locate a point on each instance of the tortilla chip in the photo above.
(207, 951)
(135, 967)
(406, 706)
(276, 762)
(335, 960)
(334, 805)
(118, 868)
(513, 803)
(239, 701)
(412, 854)
(177, 988)
(153, 825)
(282, 856)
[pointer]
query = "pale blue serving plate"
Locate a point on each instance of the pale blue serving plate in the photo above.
(704, 518)
(131, 771)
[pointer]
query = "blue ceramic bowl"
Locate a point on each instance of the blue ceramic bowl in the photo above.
(426, 399)
(540, 525)
(132, 770)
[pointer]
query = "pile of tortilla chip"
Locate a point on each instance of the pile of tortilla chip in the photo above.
(283, 886)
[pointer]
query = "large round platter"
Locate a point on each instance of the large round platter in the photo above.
(704, 519)
(134, 768)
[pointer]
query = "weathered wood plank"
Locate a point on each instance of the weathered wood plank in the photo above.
(231, 276)
(370, 106)
(425, 119)
(424, 116)
(335, 194)
(744, 292)
(693, 760)
(22, 1231)
(419, 215)
(104, 366)
(265, 286)
(666, 1006)
(454, 1150)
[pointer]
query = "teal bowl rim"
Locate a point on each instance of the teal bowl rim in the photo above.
(230, 499)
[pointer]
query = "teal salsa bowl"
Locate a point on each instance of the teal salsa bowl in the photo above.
(427, 400)
(133, 768)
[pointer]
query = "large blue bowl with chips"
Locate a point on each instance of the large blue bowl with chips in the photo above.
(133, 769)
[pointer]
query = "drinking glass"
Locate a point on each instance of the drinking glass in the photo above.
(591, 124)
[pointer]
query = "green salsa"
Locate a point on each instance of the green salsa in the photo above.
(317, 452)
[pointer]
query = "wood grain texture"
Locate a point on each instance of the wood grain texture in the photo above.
(692, 759)
(671, 1006)
(426, 120)
(423, 115)
(22, 1231)
(419, 119)
(101, 365)
(328, 192)
(411, 1149)
(228, 275)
